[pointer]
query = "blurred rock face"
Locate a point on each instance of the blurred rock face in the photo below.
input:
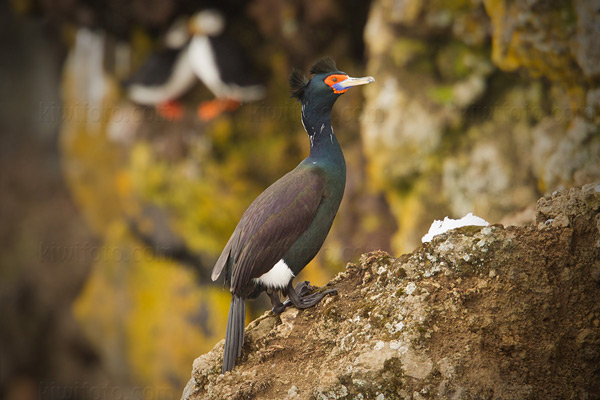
(42, 349)
(145, 315)
(478, 106)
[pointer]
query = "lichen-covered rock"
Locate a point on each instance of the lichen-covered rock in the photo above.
(585, 47)
(534, 35)
(492, 312)
(459, 119)
(557, 40)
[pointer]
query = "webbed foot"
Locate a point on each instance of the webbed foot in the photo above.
(301, 298)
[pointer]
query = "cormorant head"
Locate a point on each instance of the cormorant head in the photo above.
(327, 84)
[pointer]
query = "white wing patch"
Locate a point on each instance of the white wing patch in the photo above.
(278, 277)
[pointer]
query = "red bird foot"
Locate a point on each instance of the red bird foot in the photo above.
(171, 110)
(209, 110)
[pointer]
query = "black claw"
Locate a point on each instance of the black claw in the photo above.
(300, 297)
(279, 309)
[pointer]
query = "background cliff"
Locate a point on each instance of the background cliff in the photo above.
(478, 106)
(478, 313)
(481, 106)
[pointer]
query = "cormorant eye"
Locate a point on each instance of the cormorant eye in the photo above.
(334, 79)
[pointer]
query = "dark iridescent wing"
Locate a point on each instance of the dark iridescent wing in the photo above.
(271, 225)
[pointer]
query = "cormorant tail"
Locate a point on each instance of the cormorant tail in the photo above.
(234, 335)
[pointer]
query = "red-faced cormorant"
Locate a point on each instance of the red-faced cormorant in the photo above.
(284, 228)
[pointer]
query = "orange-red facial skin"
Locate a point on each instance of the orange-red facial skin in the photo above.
(336, 78)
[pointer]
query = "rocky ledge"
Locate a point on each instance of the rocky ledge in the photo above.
(479, 313)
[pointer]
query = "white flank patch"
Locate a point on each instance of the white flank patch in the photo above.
(439, 227)
(278, 277)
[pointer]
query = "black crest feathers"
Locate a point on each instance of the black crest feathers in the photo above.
(298, 84)
(324, 65)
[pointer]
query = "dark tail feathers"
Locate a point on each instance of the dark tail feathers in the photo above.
(234, 335)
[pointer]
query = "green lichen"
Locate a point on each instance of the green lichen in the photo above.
(443, 94)
(456, 61)
(406, 50)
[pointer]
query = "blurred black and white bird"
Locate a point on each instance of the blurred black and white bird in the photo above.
(221, 65)
(195, 49)
(166, 74)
